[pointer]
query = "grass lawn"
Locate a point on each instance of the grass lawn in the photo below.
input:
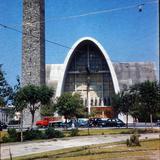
(91, 131)
(149, 150)
(111, 131)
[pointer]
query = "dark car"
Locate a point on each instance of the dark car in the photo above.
(95, 122)
(56, 124)
(2, 125)
(83, 124)
(158, 123)
(14, 122)
(114, 122)
(60, 124)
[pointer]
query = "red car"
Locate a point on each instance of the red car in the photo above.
(45, 121)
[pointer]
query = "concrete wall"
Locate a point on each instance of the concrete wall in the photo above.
(53, 74)
(128, 73)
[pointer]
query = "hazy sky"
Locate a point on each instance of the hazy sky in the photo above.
(125, 33)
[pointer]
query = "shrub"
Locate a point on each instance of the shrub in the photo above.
(12, 135)
(12, 132)
(33, 134)
(74, 132)
(5, 139)
(52, 133)
(128, 142)
(133, 141)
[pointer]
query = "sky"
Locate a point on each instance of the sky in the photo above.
(126, 34)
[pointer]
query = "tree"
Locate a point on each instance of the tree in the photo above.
(69, 105)
(116, 103)
(33, 97)
(47, 110)
(149, 95)
(5, 89)
(20, 104)
(134, 109)
(126, 105)
(121, 103)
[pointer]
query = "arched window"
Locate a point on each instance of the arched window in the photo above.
(92, 102)
(95, 101)
(100, 101)
(109, 101)
(105, 101)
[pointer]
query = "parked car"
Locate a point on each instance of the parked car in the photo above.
(158, 123)
(56, 124)
(95, 122)
(2, 125)
(114, 122)
(14, 122)
(46, 120)
(60, 124)
(82, 122)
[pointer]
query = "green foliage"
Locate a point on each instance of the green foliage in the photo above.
(12, 135)
(52, 133)
(116, 103)
(74, 132)
(12, 132)
(6, 90)
(149, 99)
(33, 97)
(33, 134)
(126, 102)
(47, 110)
(69, 105)
(128, 142)
(149, 94)
(133, 141)
(140, 100)
(5, 139)
(45, 94)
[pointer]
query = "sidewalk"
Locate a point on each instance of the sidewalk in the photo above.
(26, 148)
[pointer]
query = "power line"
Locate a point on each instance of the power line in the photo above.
(49, 41)
(98, 12)
(16, 30)
(139, 7)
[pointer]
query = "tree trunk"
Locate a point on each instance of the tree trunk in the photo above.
(32, 113)
(134, 123)
(151, 120)
(127, 120)
(145, 124)
(65, 123)
(21, 127)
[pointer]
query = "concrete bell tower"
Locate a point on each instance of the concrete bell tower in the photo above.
(33, 47)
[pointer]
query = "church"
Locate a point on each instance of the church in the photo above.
(88, 70)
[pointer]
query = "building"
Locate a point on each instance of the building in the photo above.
(89, 71)
(33, 45)
(33, 48)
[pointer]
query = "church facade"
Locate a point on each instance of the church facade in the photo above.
(88, 70)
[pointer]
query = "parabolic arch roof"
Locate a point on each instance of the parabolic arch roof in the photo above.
(68, 57)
